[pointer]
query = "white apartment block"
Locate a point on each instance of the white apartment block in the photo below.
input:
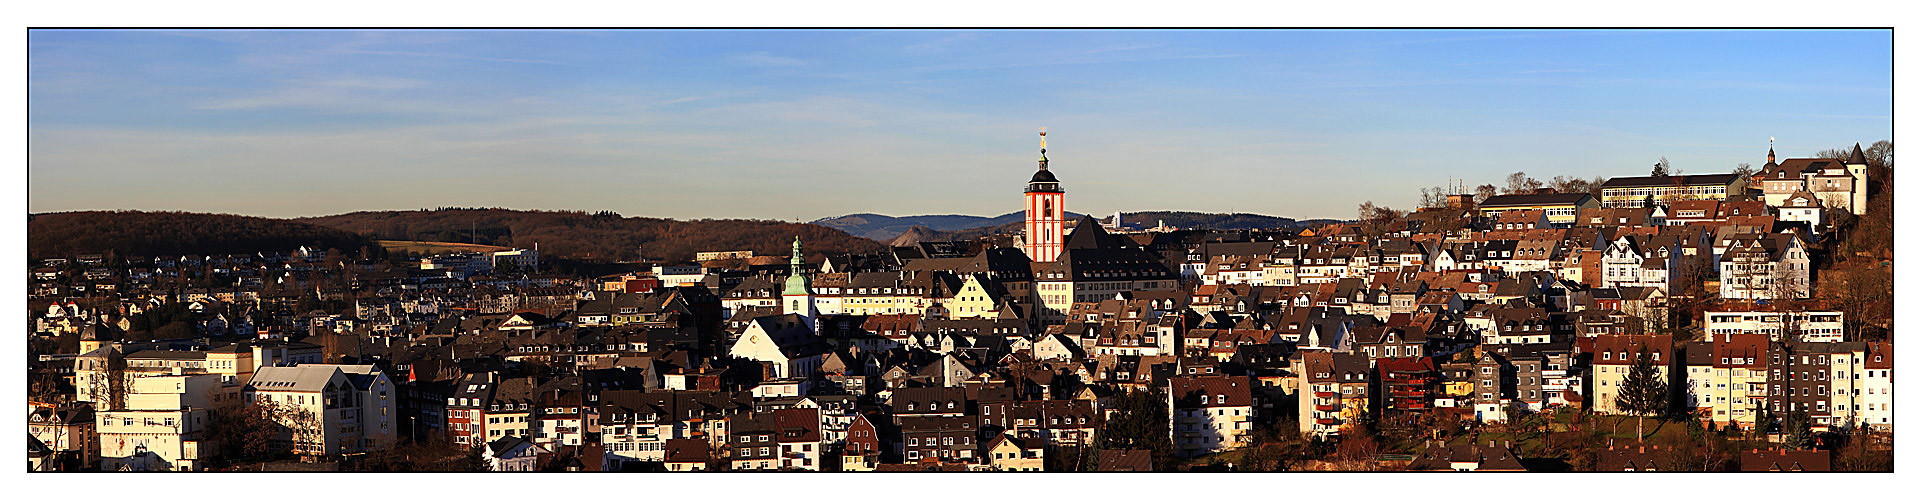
(161, 428)
(333, 409)
(1808, 326)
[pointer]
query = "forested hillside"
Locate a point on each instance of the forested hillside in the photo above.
(597, 236)
(1201, 220)
(883, 228)
(146, 234)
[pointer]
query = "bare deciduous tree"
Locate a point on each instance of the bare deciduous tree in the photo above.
(1516, 183)
(1374, 219)
(1433, 197)
(1744, 170)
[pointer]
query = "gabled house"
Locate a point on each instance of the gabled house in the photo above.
(786, 343)
(1007, 453)
(1765, 267)
(1333, 391)
(1615, 355)
(1209, 413)
(513, 454)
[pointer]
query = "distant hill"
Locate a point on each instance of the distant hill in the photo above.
(898, 231)
(884, 228)
(919, 234)
(1202, 220)
(435, 247)
(150, 234)
(599, 236)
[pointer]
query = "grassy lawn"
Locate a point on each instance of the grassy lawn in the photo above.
(1531, 442)
(1225, 457)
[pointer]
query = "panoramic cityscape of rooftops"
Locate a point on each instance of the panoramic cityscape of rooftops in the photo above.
(1604, 321)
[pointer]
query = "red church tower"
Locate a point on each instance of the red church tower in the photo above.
(1044, 212)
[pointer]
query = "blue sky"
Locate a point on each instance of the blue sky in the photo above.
(808, 124)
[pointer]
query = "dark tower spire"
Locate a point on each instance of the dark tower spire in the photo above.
(1043, 148)
(1043, 180)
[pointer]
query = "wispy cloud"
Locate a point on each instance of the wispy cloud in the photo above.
(343, 94)
(943, 44)
(1045, 60)
(1461, 36)
(767, 59)
(438, 55)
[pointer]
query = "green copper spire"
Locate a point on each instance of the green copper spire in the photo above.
(797, 274)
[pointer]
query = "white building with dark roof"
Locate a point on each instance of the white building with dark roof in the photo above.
(1635, 192)
(1210, 413)
(329, 409)
(162, 426)
(1561, 209)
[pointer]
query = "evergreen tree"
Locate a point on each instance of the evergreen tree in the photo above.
(1140, 422)
(1798, 431)
(1643, 393)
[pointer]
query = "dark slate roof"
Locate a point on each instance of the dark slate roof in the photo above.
(1092, 264)
(505, 443)
(687, 451)
(35, 448)
(1193, 391)
(1786, 460)
(1686, 180)
(1088, 234)
(1517, 200)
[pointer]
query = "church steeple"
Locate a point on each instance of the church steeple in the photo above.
(798, 296)
(797, 282)
(1046, 204)
(1770, 150)
(1044, 180)
(1044, 147)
